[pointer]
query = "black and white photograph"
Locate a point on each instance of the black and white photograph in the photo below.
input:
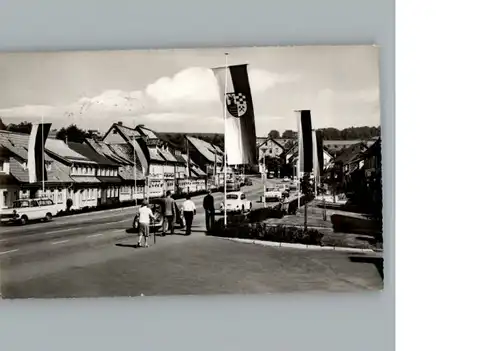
(251, 170)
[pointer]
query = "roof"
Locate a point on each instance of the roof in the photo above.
(88, 152)
(209, 151)
(17, 143)
(59, 148)
(350, 153)
(127, 131)
(57, 173)
(193, 167)
(105, 150)
(150, 134)
(167, 155)
(155, 155)
(126, 172)
(274, 141)
(125, 151)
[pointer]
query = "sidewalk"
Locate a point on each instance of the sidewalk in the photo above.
(315, 221)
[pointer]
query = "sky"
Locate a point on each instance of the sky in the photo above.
(176, 90)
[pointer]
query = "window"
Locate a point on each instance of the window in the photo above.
(243, 196)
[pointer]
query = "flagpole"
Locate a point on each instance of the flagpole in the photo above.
(298, 160)
(225, 141)
(264, 177)
(43, 162)
(134, 193)
(317, 164)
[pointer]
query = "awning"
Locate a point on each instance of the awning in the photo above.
(110, 180)
(85, 180)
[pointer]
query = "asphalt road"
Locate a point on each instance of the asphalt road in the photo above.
(92, 255)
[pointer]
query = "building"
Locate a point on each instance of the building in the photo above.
(83, 171)
(55, 187)
(107, 173)
(9, 186)
(132, 178)
(209, 158)
(270, 148)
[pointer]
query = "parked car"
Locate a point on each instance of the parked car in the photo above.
(156, 206)
(236, 202)
(232, 185)
(248, 181)
(25, 210)
(286, 179)
(284, 189)
(272, 193)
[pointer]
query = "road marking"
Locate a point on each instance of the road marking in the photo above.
(118, 230)
(62, 230)
(6, 252)
(59, 242)
(93, 235)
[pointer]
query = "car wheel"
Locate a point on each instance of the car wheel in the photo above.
(242, 209)
(48, 217)
(23, 220)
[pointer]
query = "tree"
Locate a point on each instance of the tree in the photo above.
(23, 127)
(289, 134)
(274, 134)
(72, 133)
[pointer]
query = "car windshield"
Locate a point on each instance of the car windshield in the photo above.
(20, 204)
(232, 196)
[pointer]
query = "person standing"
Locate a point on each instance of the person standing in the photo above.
(145, 215)
(189, 211)
(169, 214)
(208, 205)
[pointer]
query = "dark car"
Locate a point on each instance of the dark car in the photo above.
(156, 206)
(248, 182)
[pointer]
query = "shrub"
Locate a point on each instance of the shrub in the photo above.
(259, 231)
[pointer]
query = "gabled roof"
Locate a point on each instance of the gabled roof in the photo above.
(125, 151)
(155, 155)
(150, 134)
(193, 167)
(126, 172)
(207, 150)
(59, 148)
(87, 151)
(58, 173)
(17, 143)
(128, 133)
(282, 146)
(105, 150)
(167, 155)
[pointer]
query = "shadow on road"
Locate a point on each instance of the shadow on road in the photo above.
(377, 261)
(132, 246)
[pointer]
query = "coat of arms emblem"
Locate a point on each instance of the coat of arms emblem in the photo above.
(236, 104)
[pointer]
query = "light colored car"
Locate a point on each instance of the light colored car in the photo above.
(236, 202)
(286, 179)
(273, 193)
(25, 210)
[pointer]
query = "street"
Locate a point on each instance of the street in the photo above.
(92, 255)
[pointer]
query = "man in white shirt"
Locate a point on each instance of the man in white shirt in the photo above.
(188, 211)
(145, 215)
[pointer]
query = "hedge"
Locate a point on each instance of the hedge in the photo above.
(259, 231)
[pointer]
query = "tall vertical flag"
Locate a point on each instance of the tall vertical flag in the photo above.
(36, 152)
(236, 97)
(318, 153)
(142, 151)
(306, 145)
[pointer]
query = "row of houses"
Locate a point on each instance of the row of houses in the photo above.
(107, 170)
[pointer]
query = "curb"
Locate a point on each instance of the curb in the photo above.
(301, 246)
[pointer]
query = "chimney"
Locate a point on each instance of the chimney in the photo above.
(120, 123)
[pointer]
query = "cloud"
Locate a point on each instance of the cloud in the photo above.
(190, 92)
